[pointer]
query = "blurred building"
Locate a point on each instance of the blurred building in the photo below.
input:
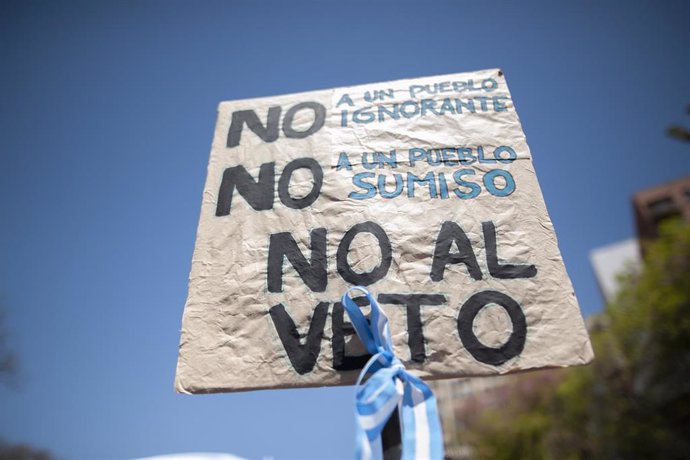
(654, 205)
(651, 207)
(611, 261)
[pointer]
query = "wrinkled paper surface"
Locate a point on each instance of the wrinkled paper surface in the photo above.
(229, 339)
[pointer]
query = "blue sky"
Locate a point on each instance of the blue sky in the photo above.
(106, 118)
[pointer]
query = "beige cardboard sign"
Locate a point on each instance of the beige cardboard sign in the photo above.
(423, 190)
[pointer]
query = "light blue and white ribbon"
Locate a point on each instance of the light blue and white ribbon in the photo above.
(388, 388)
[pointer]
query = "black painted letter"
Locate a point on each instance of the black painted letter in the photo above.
(259, 193)
(302, 356)
(489, 355)
(451, 232)
(284, 183)
(364, 279)
(268, 133)
(415, 333)
(319, 119)
(506, 271)
(284, 245)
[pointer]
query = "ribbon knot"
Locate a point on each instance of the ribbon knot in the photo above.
(389, 387)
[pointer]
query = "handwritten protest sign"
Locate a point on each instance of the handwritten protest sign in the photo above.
(423, 190)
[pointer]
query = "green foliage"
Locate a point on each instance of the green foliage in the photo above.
(633, 401)
(514, 427)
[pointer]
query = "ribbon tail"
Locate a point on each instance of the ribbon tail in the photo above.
(376, 401)
(422, 434)
(364, 449)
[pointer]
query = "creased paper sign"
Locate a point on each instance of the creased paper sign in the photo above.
(423, 190)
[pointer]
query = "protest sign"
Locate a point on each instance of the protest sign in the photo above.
(423, 190)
